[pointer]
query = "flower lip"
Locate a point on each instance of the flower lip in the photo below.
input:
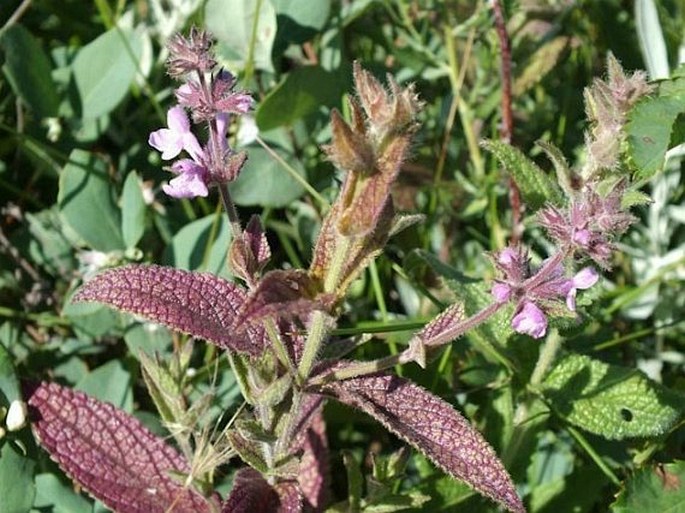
(530, 320)
(177, 137)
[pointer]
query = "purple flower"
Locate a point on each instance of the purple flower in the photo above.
(530, 320)
(537, 292)
(171, 141)
(584, 279)
(191, 180)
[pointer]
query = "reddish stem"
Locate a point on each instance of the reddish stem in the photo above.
(507, 128)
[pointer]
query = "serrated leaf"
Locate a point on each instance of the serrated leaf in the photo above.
(650, 124)
(104, 70)
(200, 304)
(132, 210)
(610, 401)
(434, 428)
(86, 202)
(16, 480)
(110, 454)
(245, 33)
(32, 83)
(302, 92)
(657, 489)
(536, 187)
(251, 493)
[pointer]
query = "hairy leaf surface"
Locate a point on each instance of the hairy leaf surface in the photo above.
(432, 426)
(111, 454)
(199, 304)
(251, 493)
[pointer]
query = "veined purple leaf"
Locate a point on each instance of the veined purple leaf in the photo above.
(200, 304)
(249, 253)
(251, 494)
(111, 454)
(433, 427)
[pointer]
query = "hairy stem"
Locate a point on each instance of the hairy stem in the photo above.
(231, 211)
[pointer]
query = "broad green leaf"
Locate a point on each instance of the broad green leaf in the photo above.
(610, 401)
(132, 210)
(104, 70)
(301, 93)
(299, 20)
(264, 181)
(28, 71)
(655, 490)
(650, 125)
(535, 185)
(201, 245)
(232, 22)
(87, 204)
(55, 496)
(110, 383)
(9, 384)
(17, 489)
(91, 321)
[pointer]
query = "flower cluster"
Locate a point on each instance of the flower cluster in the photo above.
(210, 98)
(537, 292)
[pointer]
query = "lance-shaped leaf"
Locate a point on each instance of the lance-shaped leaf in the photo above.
(251, 252)
(111, 454)
(251, 493)
(199, 304)
(433, 427)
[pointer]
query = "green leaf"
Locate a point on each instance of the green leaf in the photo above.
(110, 382)
(264, 182)
(32, 83)
(299, 20)
(17, 489)
(87, 204)
(232, 23)
(301, 93)
(650, 124)
(654, 490)
(610, 401)
(54, 496)
(9, 384)
(49, 247)
(104, 70)
(147, 337)
(91, 320)
(536, 187)
(201, 245)
(132, 210)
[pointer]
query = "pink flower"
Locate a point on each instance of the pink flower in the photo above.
(501, 292)
(530, 320)
(191, 180)
(584, 279)
(171, 141)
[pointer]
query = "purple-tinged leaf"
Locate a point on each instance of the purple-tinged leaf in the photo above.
(284, 295)
(199, 304)
(314, 472)
(249, 253)
(251, 494)
(111, 454)
(433, 427)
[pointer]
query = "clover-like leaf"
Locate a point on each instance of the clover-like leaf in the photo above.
(251, 493)
(111, 454)
(433, 427)
(200, 304)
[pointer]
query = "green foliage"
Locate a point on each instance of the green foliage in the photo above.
(16, 479)
(611, 401)
(656, 489)
(652, 126)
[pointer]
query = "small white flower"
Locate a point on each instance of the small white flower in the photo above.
(16, 415)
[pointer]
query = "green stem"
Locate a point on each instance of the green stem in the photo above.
(231, 211)
(593, 454)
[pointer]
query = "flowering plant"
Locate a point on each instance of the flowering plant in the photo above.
(278, 327)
